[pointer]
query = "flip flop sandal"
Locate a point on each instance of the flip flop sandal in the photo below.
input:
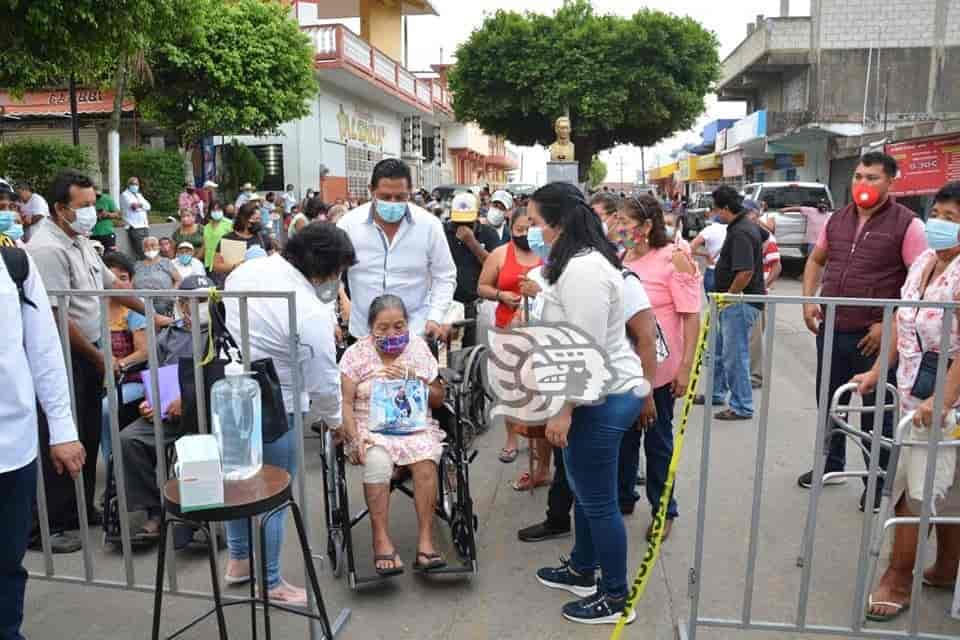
(730, 414)
(898, 608)
(235, 580)
(435, 561)
(386, 572)
(508, 455)
(939, 585)
(523, 483)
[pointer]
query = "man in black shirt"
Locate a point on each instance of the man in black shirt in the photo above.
(739, 270)
(470, 244)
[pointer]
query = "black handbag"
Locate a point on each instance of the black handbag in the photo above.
(926, 381)
(273, 413)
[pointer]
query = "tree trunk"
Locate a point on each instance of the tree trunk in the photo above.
(186, 151)
(74, 112)
(584, 150)
(113, 134)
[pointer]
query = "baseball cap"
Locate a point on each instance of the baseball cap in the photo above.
(463, 208)
(503, 198)
(191, 283)
(247, 187)
(186, 244)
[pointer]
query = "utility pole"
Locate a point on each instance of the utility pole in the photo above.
(621, 171)
(643, 167)
(406, 42)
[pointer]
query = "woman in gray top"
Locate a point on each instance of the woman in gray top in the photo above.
(155, 272)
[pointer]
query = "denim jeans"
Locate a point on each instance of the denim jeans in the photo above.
(846, 362)
(731, 373)
(658, 449)
(592, 457)
(126, 393)
(18, 488)
(709, 279)
(282, 453)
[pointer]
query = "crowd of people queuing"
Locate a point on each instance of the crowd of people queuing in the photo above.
(376, 279)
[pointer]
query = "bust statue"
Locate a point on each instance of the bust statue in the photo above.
(562, 150)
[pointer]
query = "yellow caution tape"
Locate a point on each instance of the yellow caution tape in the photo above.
(653, 549)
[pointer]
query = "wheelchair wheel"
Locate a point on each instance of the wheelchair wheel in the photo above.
(336, 552)
(448, 476)
(460, 533)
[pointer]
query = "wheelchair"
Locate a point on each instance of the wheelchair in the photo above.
(459, 420)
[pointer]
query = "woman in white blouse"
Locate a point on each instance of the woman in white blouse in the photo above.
(592, 422)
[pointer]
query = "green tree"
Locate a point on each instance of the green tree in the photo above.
(240, 165)
(240, 67)
(39, 161)
(160, 173)
(598, 171)
(621, 80)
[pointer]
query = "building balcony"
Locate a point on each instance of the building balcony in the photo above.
(773, 46)
(309, 11)
(503, 161)
(346, 60)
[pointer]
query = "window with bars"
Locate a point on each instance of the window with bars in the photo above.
(360, 163)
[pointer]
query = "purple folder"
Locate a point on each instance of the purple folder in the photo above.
(169, 384)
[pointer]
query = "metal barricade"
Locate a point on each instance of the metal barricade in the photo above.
(873, 527)
(196, 297)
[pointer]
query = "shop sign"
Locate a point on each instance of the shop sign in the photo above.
(925, 165)
(721, 143)
(733, 165)
(746, 129)
(709, 161)
(360, 127)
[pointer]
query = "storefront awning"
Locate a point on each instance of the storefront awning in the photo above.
(664, 172)
(56, 103)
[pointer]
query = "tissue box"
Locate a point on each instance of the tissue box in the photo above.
(199, 471)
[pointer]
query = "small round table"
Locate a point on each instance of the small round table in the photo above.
(265, 494)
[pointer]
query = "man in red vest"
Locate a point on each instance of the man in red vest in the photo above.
(863, 251)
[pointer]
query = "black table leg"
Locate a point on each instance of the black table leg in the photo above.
(264, 583)
(161, 563)
(311, 570)
(215, 582)
(253, 580)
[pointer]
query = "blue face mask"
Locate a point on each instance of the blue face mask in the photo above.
(391, 211)
(15, 232)
(185, 259)
(536, 242)
(6, 220)
(942, 234)
(134, 188)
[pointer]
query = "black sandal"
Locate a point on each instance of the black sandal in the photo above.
(434, 561)
(386, 572)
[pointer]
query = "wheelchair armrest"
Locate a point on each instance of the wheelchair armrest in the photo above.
(451, 375)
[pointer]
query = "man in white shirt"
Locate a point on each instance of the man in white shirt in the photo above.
(31, 364)
(289, 199)
(246, 193)
(401, 249)
(135, 209)
(66, 261)
(33, 207)
(185, 264)
(711, 239)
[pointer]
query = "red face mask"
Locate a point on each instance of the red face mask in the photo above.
(865, 195)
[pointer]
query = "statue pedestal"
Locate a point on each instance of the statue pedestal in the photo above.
(563, 171)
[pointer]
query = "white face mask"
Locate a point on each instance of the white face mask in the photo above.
(495, 216)
(151, 254)
(85, 221)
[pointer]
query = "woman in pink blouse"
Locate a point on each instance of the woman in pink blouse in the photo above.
(672, 283)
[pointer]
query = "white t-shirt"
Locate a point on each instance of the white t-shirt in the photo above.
(195, 268)
(635, 297)
(713, 237)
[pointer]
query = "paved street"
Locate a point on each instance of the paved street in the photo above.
(504, 600)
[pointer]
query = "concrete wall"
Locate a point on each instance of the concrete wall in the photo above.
(795, 92)
(890, 23)
(843, 78)
(947, 99)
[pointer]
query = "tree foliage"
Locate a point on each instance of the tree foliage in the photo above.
(240, 165)
(622, 80)
(240, 67)
(39, 161)
(160, 173)
(598, 171)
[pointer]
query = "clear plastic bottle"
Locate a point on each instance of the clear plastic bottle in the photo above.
(235, 406)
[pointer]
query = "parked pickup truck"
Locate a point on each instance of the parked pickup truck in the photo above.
(790, 226)
(698, 210)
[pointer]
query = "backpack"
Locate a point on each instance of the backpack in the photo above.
(18, 266)
(663, 351)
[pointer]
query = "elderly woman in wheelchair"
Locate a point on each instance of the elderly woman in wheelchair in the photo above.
(389, 383)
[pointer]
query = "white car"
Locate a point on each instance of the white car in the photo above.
(791, 226)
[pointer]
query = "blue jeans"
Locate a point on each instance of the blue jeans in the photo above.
(658, 448)
(731, 373)
(591, 458)
(126, 393)
(18, 489)
(709, 279)
(282, 453)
